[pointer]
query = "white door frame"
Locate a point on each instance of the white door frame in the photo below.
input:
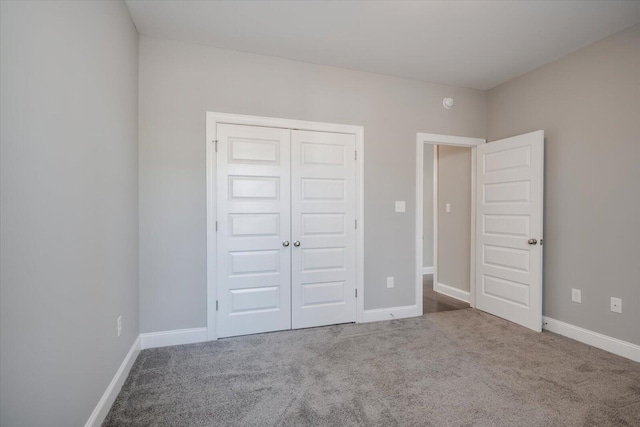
(212, 119)
(434, 139)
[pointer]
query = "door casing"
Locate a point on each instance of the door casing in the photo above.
(212, 119)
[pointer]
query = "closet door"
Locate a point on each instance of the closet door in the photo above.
(323, 212)
(253, 251)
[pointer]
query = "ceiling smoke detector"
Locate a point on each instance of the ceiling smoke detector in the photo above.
(448, 103)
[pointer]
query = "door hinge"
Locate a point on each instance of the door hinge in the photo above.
(215, 141)
(216, 225)
(356, 293)
(356, 224)
(356, 155)
(216, 305)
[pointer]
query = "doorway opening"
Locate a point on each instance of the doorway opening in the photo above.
(506, 223)
(445, 222)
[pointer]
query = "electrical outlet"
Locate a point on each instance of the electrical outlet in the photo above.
(576, 295)
(390, 283)
(447, 207)
(119, 322)
(401, 206)
(616, 305)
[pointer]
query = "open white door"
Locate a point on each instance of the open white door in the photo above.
(509, 228)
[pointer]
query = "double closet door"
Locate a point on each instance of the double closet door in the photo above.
(286, 238)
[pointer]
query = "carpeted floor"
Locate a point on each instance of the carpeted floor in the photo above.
(455, 368)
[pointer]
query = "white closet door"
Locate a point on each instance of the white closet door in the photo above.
(253, 264)
(509, 228)
(323, 209)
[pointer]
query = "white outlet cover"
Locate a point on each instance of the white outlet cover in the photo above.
(390, 282)
(401, 206)
(447, 207)
(576, 295)
(616, 305)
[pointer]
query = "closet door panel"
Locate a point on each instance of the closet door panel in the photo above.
(253, 198)
(323, 214)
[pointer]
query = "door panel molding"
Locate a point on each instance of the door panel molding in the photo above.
(268, 156)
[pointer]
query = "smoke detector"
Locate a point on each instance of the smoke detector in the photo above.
(447, 103)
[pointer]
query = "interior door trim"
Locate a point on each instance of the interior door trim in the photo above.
(212, 119)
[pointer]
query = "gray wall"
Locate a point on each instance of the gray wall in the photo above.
(588, 104)
(427, 207)
(180, 82)
(68, 200)
(454, 228)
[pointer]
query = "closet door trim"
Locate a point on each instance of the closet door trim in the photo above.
(212, 120)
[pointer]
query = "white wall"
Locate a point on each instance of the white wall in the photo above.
(180, 82)
(588, 105)
(68, 206)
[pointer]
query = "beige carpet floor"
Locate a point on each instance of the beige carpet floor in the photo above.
(455, 368)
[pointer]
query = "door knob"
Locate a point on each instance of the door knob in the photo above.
(296, 243)
(532, 242)
(285, 243)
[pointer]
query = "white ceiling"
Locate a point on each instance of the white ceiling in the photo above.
(477, 44)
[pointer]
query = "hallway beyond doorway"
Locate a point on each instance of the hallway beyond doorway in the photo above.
(434, 302)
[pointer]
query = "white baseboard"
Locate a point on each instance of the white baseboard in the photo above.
(595, 339)
(452, 292)
(390, 313)
(151, 340)
(104, 404)
(175, 337)
(427, 270)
